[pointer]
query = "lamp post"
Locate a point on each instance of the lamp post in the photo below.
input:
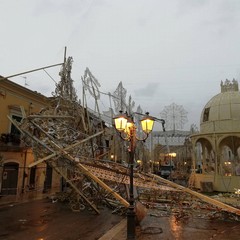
(127, 129)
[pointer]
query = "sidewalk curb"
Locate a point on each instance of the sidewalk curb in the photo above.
(15, 200)
(114, 231)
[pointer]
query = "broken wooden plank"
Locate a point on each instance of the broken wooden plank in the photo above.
(64, 149)
(81, 167)
(204, 198)
(50, 116)
(85, 171)
(74, 187)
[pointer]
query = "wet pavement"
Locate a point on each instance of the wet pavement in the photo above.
(167, 228)
(47, 220)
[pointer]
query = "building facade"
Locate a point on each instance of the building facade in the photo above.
(15, 176)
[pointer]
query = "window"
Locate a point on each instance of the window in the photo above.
(14, 130)
(206, 114)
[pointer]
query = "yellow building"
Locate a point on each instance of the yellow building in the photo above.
(216, 147)
(15, 176)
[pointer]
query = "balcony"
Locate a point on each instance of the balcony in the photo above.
(10, 142)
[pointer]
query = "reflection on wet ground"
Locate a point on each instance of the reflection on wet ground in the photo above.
(42, 219)
(192, 227)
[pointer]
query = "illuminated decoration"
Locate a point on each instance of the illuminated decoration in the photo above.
(172, 154)
(129, 126)
(237, 192)
(175, 116)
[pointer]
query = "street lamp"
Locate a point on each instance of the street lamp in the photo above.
(127, 129)
(172, 155)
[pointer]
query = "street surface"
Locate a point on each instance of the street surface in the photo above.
(44, 220)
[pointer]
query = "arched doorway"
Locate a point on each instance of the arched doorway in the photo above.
(10, 178)
(205, 161)
(229, 158)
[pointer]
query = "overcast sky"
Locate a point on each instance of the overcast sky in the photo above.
(164, 52)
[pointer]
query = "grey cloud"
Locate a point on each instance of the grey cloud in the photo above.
(148, 91)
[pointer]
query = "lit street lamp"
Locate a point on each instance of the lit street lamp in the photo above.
(127, 129)
(172, 155)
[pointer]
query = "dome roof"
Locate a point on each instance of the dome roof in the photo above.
(222, 112)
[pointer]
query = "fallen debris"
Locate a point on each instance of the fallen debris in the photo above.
(62, 135)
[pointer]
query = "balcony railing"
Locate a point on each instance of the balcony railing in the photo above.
(10, 142)
(10, 138)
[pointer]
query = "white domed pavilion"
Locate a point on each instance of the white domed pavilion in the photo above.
(217, 146)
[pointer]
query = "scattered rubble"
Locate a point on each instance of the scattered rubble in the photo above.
(62, 135)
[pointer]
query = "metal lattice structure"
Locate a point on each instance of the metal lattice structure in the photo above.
(59, 136)
(175, 116)
(65, 87)
(119, 98)
(91, 84)
(56, 140)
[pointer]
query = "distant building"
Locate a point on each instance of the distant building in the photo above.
(164, 144)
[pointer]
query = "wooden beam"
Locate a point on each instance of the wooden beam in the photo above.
(74, 187)
(34, 70)
(48, 116)
(205, 198)
(64, 149)
(85, 171)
